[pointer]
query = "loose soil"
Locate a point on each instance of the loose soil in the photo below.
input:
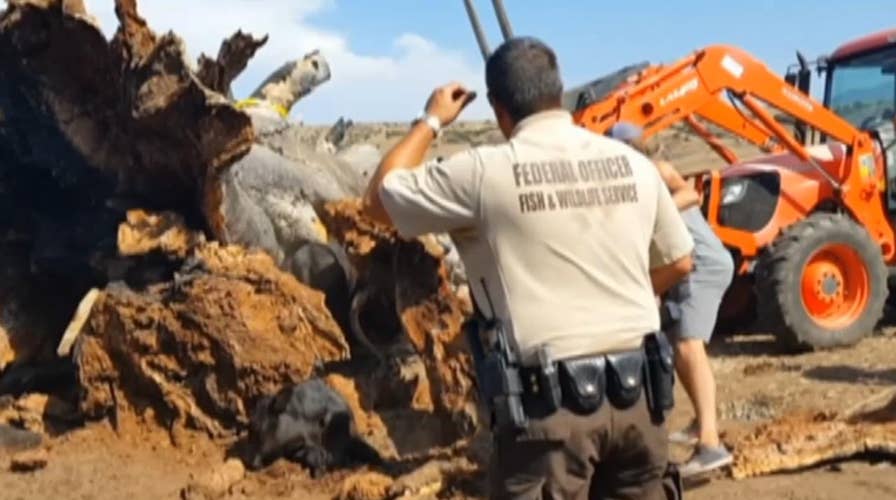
(756, 383)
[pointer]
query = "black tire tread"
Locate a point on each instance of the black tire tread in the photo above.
(779, 269)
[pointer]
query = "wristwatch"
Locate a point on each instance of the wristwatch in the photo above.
(432, 121)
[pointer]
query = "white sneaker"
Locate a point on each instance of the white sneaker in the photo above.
(706, 459)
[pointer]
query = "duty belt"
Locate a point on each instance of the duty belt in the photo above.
(517, 393)
(585, 383)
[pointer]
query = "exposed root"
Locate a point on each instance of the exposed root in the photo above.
(801, 441)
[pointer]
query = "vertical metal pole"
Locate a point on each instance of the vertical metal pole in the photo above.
(501, 12)
(477, 29)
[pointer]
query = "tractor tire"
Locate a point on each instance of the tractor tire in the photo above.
(821, 284)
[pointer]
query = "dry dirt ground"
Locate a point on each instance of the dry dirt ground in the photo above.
(755, 384)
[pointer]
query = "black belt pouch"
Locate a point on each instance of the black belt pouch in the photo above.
(584, 383)
(660, 375)
(624, 378)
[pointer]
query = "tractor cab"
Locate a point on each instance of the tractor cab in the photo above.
(860, 86)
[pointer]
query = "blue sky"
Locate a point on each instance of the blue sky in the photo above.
(386, 55)
(592, 37)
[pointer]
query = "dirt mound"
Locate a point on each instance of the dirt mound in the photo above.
(199, 350)
(366, 486)
(195, 349)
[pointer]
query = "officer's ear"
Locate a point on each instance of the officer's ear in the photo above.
(492, 102)
(505, 122)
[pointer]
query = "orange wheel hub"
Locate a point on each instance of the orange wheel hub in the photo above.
(835, 286)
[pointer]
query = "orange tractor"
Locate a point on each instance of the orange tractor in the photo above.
(810, 223)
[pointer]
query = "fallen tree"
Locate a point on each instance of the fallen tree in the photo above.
(129, 125)
(800, 441)
(168, 221)
(89, 129)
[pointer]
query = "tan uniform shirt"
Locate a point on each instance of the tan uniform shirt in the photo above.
(562, 224)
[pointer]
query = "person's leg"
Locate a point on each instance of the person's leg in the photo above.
(636, 458)
(552, 460)
(695, 372)
(698, 301)
(693, 369)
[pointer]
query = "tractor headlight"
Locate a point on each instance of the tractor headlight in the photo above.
(733, 191)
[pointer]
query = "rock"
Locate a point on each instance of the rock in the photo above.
(15, 439)
(29, 461)
(201, 350)
(365, 486)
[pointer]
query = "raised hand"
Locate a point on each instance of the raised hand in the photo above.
(447, 101)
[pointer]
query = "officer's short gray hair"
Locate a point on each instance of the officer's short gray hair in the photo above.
(522, 76)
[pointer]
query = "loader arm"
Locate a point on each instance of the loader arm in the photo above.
(639, 102)
(695, 87)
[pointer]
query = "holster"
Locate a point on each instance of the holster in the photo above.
(502, 388)
(499, 381)
(659, 376)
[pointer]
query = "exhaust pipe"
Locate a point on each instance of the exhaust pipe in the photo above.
(477, 29)
(503, 22)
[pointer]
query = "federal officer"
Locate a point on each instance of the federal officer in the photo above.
(567, 238)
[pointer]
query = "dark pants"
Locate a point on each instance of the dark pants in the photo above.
(607, 454)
